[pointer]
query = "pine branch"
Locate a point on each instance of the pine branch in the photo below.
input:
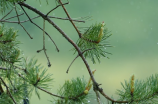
(95, 84)
(8, 90)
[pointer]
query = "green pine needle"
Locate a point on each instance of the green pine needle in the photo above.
(145, 92)
(94, 38)
(72, 89)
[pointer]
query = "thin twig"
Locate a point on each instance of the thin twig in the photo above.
(76, 58)
(21, 24)
(17, 14)
(26, 31)
(13, 16)
(38, 51)
(44, 49)
(7, 14)
(70, 18)
(72, 63)
(40, 28)
(55, 8)
(66, 19)
(8, 90)
(50, 92)
(72, 98)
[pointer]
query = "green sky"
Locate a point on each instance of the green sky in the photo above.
(133, 23)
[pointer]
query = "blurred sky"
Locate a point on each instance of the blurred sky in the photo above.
(134, 26)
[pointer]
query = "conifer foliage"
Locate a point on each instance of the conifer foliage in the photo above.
(21, 76)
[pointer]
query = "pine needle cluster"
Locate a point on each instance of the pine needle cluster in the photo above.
(137, 91)
(73, 92)
(36, 75)
(18, 81)
(9, 51)
(94, 40)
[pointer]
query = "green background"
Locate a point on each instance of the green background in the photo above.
(133, 23)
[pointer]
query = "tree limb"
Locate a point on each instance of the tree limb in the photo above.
(95, 84)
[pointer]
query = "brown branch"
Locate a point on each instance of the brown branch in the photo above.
(72, 98)
(64, 35)
(8, 90)
(95, 84)
(70, 18)
(50, 92)
(107, 97)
